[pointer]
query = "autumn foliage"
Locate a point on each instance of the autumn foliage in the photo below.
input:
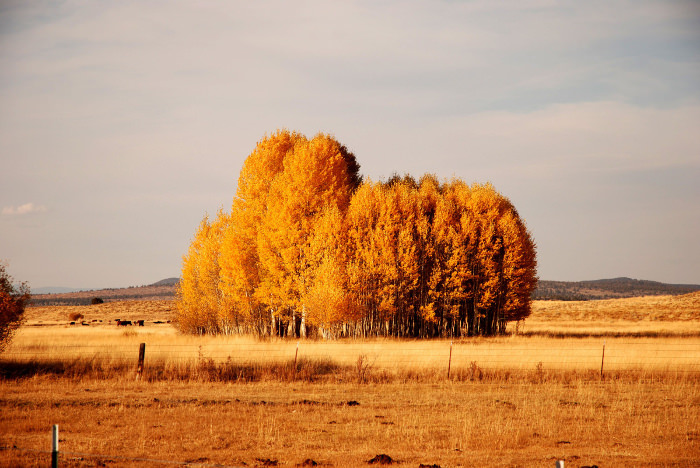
(13, 301)
(310, 248)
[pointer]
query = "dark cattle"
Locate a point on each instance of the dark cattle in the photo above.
(123, 323)
(140, 323)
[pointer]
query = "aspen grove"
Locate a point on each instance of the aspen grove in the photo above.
(310, 249)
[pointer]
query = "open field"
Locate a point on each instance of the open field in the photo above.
(637, 316)
(168, 352)
(102, 314)
(447, 423)
(519, 400)
(677, 315)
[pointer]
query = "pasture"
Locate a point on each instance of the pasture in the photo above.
(519, 400)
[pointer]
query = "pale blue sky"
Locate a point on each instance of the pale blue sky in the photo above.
(122, 123)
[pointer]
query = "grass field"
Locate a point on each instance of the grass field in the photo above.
(491, 423)
(519, 400)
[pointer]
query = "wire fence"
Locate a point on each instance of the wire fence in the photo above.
(652, 355)
(679, 357)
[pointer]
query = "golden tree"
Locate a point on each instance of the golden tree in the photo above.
(327, 300)
(241, 271)
(317, 174)
(284, 186)
(308, 245)
(201, 304)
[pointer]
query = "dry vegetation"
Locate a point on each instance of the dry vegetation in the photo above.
(639, 316)
(155, 291)
(107, 313)
(683, 308)
(444, 423)
(523, 400)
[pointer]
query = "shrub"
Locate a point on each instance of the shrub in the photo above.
(96, 300)
(75, 316)
(13, 300)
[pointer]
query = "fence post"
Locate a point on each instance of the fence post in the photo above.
(54, 447)
(560, 464)
(295, 358)
(142, 356)
(602, 360)
(449, 363)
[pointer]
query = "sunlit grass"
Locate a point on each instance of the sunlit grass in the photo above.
(516, 400)
(173, 355)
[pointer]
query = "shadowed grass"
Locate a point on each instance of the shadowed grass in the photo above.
(314, 370)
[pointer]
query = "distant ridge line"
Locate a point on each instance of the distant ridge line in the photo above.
(612, 288)
(167, 282)
(163, 289)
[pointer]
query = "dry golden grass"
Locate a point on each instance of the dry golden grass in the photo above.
(520, 400)
(685, 308)
(446, 423)
(116, 347)
(108, 312)
(653, 316)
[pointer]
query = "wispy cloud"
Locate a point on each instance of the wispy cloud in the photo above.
(27, 208)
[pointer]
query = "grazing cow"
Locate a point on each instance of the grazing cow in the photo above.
(140, 323)
(123, 323)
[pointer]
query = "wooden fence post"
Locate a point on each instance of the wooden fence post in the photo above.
(295, 358)
(560, 464)
(449, 363)
(54, 447)
(602, 360)
(142, 356)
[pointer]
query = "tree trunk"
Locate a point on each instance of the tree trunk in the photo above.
(302, 329)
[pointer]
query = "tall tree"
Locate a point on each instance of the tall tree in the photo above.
(241, 269)
(201, 305)
(316, 174)
(327, 299)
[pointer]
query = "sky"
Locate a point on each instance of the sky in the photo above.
(123, 123)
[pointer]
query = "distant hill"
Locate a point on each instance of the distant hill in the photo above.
(608, 289)
(163, 289)
(167, 282)
(546, 290)
(53, 290)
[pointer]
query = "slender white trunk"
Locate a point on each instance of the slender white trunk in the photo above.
(302, 328)
(291, 329)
